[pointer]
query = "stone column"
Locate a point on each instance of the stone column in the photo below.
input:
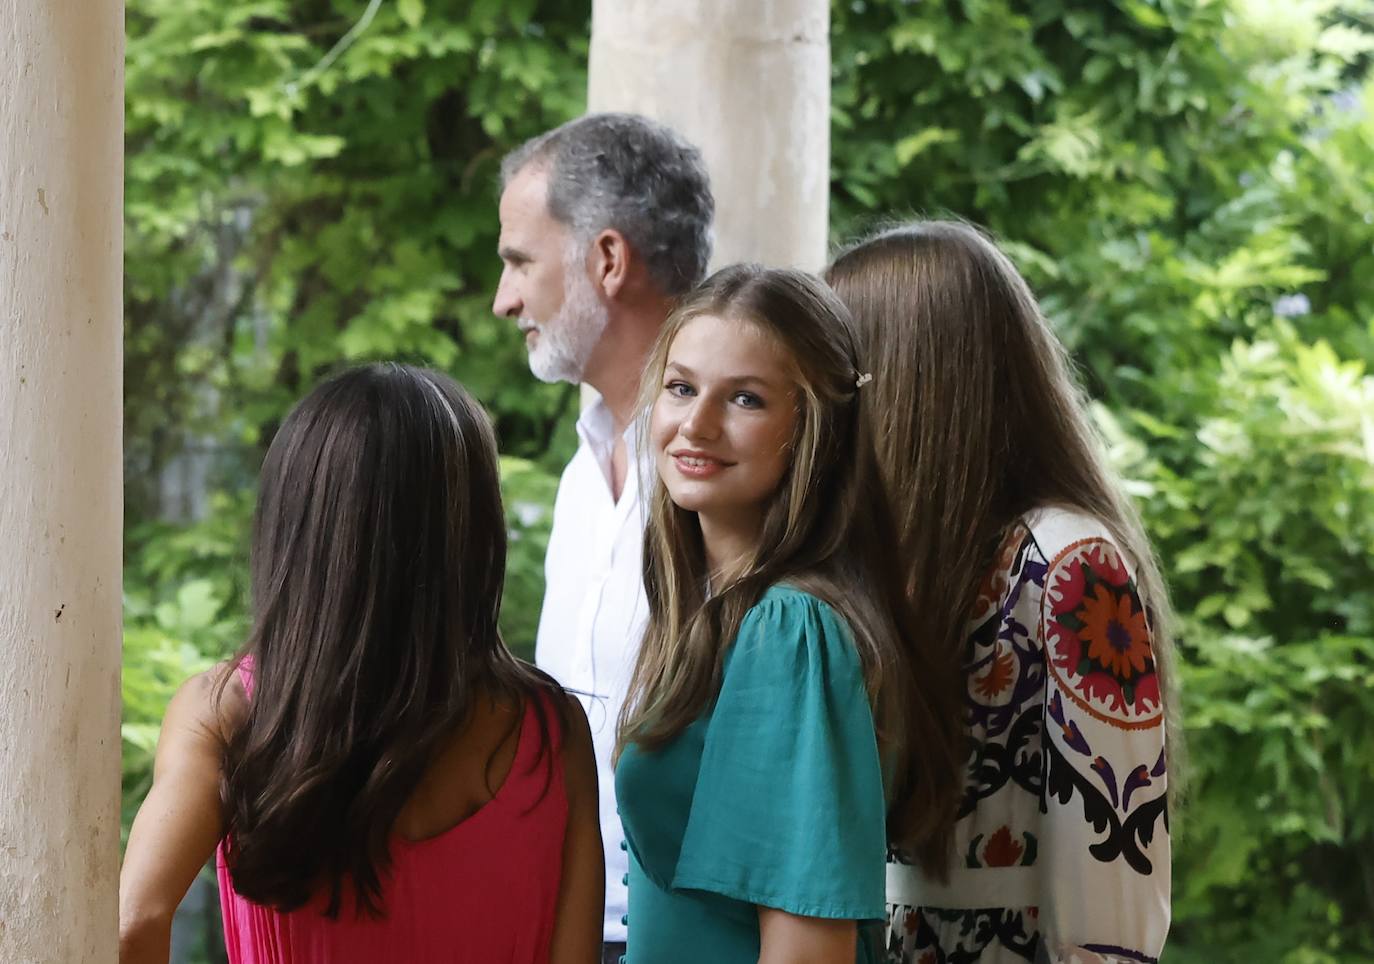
(749, 83)
(61, 186)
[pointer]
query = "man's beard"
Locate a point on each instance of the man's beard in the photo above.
(565, 343)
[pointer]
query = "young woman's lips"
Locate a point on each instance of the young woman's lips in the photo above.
(694, 465)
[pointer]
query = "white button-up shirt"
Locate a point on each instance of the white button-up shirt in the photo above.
(595, 611)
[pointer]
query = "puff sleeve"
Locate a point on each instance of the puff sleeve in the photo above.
(789, 810)
(1105, 835)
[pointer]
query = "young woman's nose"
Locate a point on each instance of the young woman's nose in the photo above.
(701, 420)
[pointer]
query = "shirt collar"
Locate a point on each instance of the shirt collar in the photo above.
(596, 428)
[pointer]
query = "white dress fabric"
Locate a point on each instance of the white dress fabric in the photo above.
(1062, 844)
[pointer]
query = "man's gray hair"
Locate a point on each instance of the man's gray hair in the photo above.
(633, 175)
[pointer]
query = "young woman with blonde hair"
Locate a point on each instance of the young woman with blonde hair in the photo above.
(1028, 570)
(762, 748)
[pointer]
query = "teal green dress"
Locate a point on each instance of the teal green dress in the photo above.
(773, 797)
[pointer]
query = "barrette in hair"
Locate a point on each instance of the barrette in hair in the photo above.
(863, 380)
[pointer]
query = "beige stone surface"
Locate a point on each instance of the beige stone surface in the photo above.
(749, 83)
(61, 174)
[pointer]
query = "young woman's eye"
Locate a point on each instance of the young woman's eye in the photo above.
(679, 389)
(748, 400)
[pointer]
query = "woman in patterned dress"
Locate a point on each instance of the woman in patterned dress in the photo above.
(1030, 573)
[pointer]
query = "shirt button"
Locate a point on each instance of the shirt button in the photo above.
(625, 920)
(625, 880)
(624, 845)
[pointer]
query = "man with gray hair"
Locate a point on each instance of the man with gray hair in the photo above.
(605, 223)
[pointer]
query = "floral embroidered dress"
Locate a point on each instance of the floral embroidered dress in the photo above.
(1062, 843)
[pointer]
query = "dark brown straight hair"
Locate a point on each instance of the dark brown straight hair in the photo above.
(826, 531)
(378, 554)
(979, 420)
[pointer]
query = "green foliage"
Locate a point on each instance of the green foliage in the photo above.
(1189, 184)
(528, 491)
(286, 217)
(1274, 519)
(183, 611)
(1277, 847)
(1277, 503)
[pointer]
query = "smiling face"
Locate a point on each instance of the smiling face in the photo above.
(723, 421)
(544, 282)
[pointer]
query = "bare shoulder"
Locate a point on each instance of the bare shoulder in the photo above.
(212, 704)
(577, 730)
(579, 757)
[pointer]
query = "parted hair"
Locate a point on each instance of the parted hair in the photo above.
(979, 420)
(634, 175)
(826, 531)
(378, 553)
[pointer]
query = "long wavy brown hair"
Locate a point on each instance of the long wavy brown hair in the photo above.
(979, 420)
(827, 531)
(379, 549)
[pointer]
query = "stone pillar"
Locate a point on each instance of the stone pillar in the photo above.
(61, 187)
(749, 83)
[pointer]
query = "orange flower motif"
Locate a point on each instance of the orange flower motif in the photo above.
(1115, 632)
(997, 678)
(1002, 851)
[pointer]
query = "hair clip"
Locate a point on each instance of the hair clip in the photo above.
(863, 380)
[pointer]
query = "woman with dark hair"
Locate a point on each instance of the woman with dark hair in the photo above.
(761, 753)
(383, 780)
(1039, 601)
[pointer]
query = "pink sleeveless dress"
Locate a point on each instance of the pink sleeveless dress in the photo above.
(482, 892)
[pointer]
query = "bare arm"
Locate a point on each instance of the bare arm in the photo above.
(177, 826)
(582, 893)
(788, 939)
